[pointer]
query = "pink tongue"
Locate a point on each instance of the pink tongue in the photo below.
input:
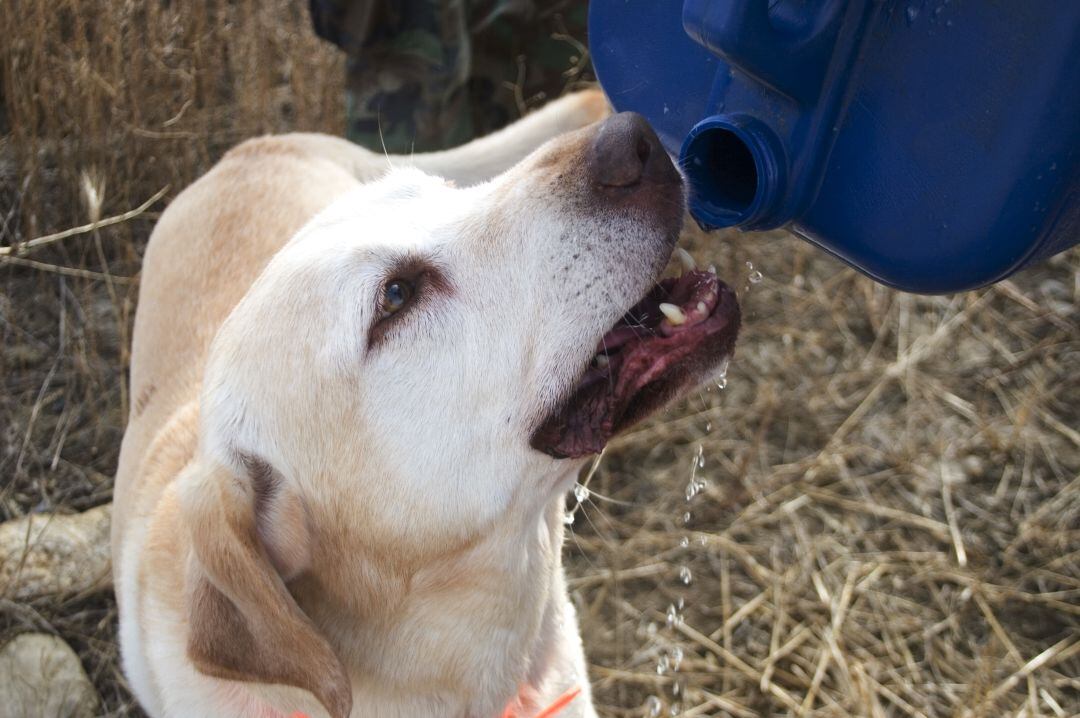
(647, 361)
(621, 335)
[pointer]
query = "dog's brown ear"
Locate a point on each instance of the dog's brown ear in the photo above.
(244, 624)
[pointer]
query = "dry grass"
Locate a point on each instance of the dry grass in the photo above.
(133, 97)
(891, 522)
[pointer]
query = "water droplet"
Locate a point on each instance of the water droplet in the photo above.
(568, 518)
(691, 490)
(653, 706)
(672, 615)
(701, 541)
(651, 629)
(685, 576)
(721, 383)
(755, 277)
(750, 265)
(681, 603)
(912, 12)
(684, 542)
(581, 493)
(708, 426)
(701, 458)
(662, 665)
(675, 709)
(686, 517)
(676, 658)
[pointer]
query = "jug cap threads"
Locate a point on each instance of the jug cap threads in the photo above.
(736, 168)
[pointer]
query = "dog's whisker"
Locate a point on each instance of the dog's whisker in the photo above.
(382, 141)
(607, 499)
(610, 378)
(608, 540)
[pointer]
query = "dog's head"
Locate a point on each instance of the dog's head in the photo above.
(422, 361)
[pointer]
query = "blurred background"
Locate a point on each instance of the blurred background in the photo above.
(876, 512)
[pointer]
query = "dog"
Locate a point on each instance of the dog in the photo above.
(362, 386)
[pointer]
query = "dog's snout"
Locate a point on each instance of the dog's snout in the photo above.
(626, 151)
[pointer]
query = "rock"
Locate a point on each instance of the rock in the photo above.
(53, 554)
(41, 676)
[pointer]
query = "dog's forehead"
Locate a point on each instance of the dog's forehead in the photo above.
(404, 183)
(405, 193)
(404, 209)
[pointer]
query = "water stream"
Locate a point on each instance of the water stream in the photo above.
(671, 651)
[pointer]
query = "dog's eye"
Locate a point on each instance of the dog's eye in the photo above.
(396, 294)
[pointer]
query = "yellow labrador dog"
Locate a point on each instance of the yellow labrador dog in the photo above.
(362, 388)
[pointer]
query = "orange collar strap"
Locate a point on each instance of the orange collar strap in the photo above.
(552, 711)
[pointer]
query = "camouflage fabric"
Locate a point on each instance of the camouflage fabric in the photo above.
(429, 74)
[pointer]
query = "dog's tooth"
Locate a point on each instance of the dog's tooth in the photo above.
(685, 259)
(701, 307)
(712, 269)
(602, 360)
(673, 313)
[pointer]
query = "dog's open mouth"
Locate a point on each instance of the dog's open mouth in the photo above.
(667, 343)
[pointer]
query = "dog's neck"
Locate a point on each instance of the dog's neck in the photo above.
(462, 633)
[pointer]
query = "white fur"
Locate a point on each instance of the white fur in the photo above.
(414, 445)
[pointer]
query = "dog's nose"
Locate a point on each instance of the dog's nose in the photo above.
(626, 151)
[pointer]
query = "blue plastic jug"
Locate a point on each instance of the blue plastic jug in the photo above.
(932, 144)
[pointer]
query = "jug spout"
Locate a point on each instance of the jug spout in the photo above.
(737, 172)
